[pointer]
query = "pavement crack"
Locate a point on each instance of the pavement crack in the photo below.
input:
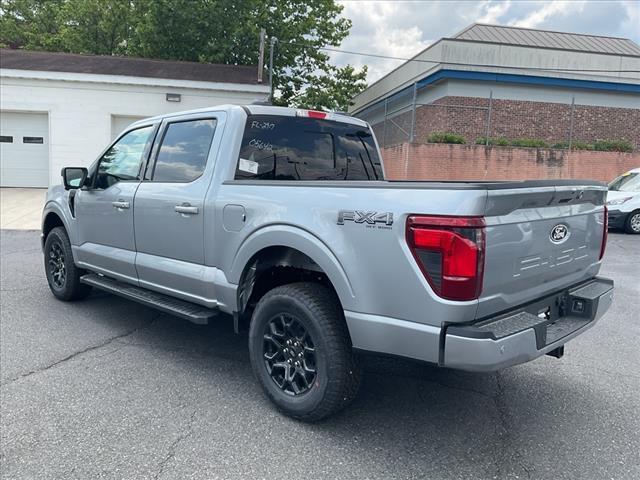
(173, 448)
(74, 355)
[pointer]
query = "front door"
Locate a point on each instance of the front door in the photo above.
(105, 210)
(169, 211)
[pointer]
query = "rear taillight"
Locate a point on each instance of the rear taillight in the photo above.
(450, 253)
(605, 232)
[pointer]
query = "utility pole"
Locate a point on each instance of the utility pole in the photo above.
(488, 132)
(573, 107)
(384, 123)
(263, 32)
(271, 48)
(412, 135)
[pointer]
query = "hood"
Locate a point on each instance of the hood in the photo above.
(614, 194)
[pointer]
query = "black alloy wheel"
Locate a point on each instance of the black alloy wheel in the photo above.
(55, 263)
(301, 352)
(63, 276)
(289, 354)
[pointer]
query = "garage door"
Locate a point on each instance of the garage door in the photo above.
(120, 122)
(24, 149)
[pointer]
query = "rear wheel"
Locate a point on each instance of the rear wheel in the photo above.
(62, 274)
(632, 225)
(301, 353)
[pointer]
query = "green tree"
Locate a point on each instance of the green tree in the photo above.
(32, 24)
(100, 27)
(217, 31)
(333, 90)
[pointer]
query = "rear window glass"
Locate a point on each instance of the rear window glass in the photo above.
(295, 148)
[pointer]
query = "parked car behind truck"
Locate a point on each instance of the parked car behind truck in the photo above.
(623, 200)
(283, 219)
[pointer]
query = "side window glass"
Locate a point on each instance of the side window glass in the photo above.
(124, 159)
(361, 154)
(184, 150)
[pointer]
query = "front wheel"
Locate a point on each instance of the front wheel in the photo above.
(301, 352)
(632, 225)
(62, 274)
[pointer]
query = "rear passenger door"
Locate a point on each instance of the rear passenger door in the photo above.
(169, 210)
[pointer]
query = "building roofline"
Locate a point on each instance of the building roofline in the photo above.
(435, 63)
(37, 60)
(542, 47)
(468, 27)
(511, 34)
(125, 57)
(515, 27)
(6, 74)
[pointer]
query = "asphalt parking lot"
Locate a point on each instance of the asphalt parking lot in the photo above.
(105, 388)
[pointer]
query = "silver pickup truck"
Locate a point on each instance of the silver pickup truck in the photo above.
(282, 218)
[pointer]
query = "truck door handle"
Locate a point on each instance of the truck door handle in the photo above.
(186, 209)
(120, 204)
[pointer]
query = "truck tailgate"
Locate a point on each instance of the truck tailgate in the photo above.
(539, 240)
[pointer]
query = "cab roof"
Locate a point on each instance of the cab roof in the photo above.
(263, 110)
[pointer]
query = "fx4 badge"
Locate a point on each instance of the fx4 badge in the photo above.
(369, 218)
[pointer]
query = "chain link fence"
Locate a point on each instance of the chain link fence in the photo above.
(410, 116)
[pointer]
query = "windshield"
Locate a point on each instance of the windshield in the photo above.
(629, 182)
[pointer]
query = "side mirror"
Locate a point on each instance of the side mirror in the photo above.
(74, 177)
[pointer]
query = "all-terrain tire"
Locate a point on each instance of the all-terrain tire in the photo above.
(317, 313)
(62, 274)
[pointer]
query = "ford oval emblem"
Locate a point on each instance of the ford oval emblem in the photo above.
(559, 233)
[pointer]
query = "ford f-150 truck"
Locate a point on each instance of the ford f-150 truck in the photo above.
(283, 219)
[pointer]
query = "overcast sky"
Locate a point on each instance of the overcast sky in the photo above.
(404, 28)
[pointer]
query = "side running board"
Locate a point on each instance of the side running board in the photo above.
(189, 311)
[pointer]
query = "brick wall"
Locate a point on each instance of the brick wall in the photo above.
(475, 162)
(515, 119)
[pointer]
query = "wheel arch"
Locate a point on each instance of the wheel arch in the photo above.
(288, 246)
(51, 220)
(54, 215)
